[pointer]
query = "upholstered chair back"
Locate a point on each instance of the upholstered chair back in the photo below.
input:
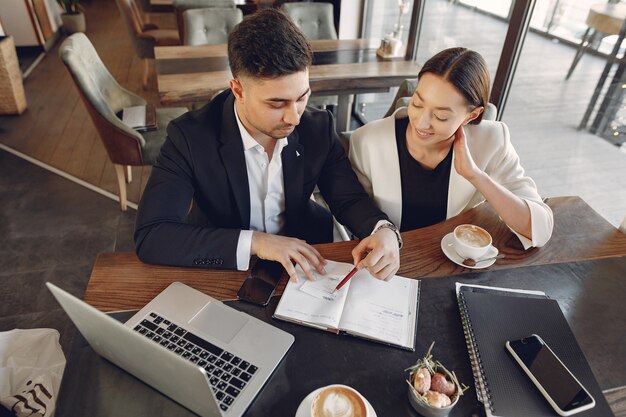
(103, 97)
(181, 5)
(315, 20)
(212, 25)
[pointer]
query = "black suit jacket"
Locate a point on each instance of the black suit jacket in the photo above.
(197, 198)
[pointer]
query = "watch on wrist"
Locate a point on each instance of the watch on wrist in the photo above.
(392, 227)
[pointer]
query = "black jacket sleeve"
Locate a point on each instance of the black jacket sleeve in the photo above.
(162, 233)
(344, 194)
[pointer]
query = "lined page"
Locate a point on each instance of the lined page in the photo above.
(382, 310)
(134, 117)
(306, 302)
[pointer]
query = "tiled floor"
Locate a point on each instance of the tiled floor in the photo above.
(52, 230)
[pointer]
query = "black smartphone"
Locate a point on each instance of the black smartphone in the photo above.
(555, 382)
(261, 282)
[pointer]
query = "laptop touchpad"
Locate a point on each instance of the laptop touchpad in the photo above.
(218, 321)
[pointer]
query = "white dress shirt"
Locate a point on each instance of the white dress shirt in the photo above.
(267, 192)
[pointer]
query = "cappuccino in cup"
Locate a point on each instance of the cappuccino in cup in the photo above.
(338, 401)
(471, 241)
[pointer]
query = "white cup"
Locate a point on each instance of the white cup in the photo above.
(471, 241)
(338, 401)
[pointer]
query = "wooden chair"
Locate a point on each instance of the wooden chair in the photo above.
(212, 25)
(144, 36)
(104, 99)
(181, 5)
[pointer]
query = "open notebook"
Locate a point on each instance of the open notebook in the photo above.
(384, 311)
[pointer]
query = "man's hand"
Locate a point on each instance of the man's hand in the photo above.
(379, 254)
(288, 250)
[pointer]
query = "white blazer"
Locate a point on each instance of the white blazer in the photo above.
(374, 157)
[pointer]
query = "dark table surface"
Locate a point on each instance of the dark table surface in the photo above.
(590, 293)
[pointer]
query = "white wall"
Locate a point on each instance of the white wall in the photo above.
(350, 19)
(17, 23)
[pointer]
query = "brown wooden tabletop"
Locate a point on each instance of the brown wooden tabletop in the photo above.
(189, 87)
(167, 6)
(220, 50)
(188, 74)
(119, 281)
(616, 398)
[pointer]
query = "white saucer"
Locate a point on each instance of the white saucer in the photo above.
(447, 246)
(305, 405)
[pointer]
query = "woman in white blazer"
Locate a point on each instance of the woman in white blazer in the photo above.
(436, 159)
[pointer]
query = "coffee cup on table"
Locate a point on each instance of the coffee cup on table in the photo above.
(338, 401)
(471, 241)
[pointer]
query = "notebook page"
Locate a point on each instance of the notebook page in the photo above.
(382, 310)
(134, 116)
(306, 305)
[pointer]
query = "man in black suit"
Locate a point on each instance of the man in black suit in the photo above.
(234, 178)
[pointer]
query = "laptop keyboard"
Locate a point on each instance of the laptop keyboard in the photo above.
(228, 374)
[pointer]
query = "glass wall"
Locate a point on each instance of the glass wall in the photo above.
(445, 24)
(562, 19)
(383, 18)
(387, 17)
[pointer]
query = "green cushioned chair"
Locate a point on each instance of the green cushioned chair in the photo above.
(212, 25)
(181, 5)
(104, 99)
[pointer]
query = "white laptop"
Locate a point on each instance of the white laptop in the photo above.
(207, 356)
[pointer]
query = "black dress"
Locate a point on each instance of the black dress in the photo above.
(424, 191)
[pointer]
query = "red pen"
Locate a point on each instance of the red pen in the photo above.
(346, 279)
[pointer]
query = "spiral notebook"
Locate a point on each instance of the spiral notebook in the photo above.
(491, 317)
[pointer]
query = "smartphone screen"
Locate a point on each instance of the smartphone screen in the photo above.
(555, 379)
(261, 282)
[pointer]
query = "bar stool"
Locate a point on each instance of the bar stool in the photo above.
(603, 20)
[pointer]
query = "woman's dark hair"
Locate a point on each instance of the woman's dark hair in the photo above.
(267, 44)
(466, 70)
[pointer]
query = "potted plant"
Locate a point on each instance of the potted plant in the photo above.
(73, 17)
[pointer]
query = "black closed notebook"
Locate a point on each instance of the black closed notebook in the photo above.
(491, 320)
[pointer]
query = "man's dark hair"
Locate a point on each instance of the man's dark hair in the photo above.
(267, 44)
(466, 70)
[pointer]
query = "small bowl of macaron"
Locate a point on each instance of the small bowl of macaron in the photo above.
(433, 389)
